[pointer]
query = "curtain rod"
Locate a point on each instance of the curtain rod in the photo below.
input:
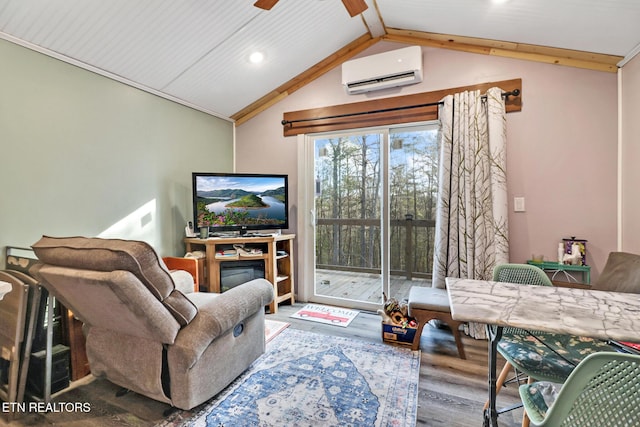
(506, 95)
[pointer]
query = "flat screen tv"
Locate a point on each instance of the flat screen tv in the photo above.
(238, 202)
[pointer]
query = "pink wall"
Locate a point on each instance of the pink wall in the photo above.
(562, 146)
(630, 240)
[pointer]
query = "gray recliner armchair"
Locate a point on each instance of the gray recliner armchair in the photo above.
(144, 334)
(621, 273)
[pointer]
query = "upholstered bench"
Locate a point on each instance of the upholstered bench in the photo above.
(426, 304)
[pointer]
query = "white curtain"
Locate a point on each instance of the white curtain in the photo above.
(471, 217)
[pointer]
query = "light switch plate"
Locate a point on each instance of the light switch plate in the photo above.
(518, 204)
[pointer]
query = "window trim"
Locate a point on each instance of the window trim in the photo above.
(403, 110)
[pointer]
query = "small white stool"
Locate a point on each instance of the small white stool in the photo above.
(426, 304)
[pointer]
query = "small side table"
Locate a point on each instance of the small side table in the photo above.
(555, 268)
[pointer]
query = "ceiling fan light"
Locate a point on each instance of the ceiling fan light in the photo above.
(355, 7)
(256, 57)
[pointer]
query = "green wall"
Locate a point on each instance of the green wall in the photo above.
(81, 154)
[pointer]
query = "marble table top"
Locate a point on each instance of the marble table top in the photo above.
(581, 312)
(5, 288)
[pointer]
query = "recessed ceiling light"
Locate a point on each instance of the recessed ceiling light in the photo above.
(256, 57)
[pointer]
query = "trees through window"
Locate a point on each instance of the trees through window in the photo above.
(375, 200)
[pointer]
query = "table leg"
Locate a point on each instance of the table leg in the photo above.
(491, 413)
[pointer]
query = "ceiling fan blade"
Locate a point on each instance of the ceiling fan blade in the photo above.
(355, 7)
(265, 4)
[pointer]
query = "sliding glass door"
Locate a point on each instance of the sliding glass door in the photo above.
(349, 204)
(371, 212)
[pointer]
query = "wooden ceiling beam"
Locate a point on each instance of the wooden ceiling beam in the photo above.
(303, 79)
(548, 55)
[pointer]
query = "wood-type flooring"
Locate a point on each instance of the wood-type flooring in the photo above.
(451, 391)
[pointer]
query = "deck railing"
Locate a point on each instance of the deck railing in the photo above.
(354, 245)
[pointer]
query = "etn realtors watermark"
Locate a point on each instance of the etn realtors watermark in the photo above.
(69, 407)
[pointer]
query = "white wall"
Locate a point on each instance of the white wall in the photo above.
(630, 154)
(82, 154)
(562, 146)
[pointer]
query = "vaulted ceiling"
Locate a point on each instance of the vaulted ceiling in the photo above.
(197, 51)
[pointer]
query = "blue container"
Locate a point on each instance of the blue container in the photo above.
(398, 334)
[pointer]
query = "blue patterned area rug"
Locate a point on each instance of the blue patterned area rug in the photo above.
(307, 379)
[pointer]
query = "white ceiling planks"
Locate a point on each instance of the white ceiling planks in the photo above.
(196, 51)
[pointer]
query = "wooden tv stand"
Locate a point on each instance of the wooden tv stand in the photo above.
(278, 268)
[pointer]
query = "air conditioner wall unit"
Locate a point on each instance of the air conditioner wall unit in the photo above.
(385, 70)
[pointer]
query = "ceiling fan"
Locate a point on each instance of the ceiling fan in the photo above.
(354, 7)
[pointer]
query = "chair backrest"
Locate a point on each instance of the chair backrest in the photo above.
(621, 273)
(13, 311)
(121, 285)
(29, 326)
(13, 316)
(524, 274)
(603, 390)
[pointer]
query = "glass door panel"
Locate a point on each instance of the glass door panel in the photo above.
(348, 211)
(413, 184)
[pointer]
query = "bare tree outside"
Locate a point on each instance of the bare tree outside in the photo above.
(349, 200)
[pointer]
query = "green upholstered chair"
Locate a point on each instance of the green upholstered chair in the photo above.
(538, 355)
(603, 390)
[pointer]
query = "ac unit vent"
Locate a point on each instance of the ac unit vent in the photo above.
(389, 69)
(396, 78)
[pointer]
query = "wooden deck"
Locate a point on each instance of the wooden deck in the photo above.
(362, 286)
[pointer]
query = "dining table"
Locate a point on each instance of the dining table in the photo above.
(582, 312)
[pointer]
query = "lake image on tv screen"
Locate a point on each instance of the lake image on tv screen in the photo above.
(240, 201)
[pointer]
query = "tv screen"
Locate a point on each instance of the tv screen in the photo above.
(240, 201)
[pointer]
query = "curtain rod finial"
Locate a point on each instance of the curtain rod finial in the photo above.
(506, 95)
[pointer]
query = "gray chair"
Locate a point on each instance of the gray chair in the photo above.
(621, 273)
(144, 334)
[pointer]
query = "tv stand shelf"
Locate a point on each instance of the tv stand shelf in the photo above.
(277, 253)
